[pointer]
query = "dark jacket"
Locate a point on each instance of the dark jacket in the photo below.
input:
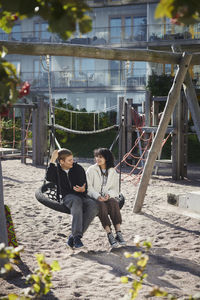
(76, 175)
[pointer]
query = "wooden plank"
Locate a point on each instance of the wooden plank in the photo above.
(22, 105)
(155, 128)
(157, 142)
(148, 109)
(93, 52)
(159, 98)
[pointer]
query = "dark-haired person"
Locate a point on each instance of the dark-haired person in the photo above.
(103, 185)
(71, 178)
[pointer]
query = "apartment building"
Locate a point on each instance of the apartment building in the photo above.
(97, 84)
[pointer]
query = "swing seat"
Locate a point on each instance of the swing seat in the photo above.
(47, 195)
(121, 200)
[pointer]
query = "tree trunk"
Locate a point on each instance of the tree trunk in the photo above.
(172, 98)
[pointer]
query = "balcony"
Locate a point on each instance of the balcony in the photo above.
(90, 79)
(124, 36)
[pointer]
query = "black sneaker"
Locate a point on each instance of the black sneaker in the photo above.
(70, 241)
(112, 240)
(120, 238)
(77, 242)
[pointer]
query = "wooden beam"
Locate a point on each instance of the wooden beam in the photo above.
(100, 52)
(192, 101)
(157, 142)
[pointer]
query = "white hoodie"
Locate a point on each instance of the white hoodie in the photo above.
(94, 180)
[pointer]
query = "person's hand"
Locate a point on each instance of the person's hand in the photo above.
(79, 189)
(106, 197)
(102, 199)
(54, 156)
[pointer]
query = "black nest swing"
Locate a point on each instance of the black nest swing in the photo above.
(47, 195)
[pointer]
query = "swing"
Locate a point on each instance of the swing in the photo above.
(49, 193)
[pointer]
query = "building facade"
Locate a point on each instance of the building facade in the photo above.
(96, 84)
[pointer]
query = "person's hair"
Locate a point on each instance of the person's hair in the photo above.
(107, 154)
(63, 153)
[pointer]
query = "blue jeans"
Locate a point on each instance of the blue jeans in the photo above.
(83, 211)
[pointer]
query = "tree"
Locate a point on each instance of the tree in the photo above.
(181, 12)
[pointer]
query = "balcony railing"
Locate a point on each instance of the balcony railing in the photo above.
(103, 79)
(124, 36)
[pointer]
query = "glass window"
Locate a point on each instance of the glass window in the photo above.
(115, 72)
(17, 65)
(127, 29)
(88, 66)
(37, 30)
(84, 67)
(36, 68)
(115, 30)
(3, 35)
(45, 34)
(139, 28)
(16, 32)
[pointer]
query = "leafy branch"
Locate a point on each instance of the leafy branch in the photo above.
(40, 279)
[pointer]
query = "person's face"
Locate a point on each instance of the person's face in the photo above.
(100, 160)
(67, 163)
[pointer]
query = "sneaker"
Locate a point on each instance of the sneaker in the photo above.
(70, 241)
(77, 242)
(112, 240)
(120, 238)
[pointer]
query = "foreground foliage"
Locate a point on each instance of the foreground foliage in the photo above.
(39, 281)
(137, 268)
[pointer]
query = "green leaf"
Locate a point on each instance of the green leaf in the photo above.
(55, 266)
(13, 297)
(124, 279)
(37, 288)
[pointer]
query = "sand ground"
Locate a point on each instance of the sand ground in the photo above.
(94, 272)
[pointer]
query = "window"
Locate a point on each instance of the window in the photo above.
(128, 28)
(84, 68)
(3, 35)
(16, 33)
(39, 73)
(17, 65)
(136, 73)
(41, 31)
(115, 72)
(115, 30)
(139, 28)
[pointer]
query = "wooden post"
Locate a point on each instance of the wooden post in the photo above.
(192, 101)
(23, 136)
(122, 135)
(40, 118)
(180, 139)
(129, 125)
(157, 142)
(155, 112)
(148, 109)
